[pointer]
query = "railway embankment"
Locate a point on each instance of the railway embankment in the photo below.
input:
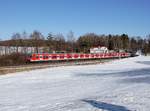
(35, 66)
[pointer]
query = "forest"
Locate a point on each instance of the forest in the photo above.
(70, 43)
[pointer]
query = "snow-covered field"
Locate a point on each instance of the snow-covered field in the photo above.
(121, 85)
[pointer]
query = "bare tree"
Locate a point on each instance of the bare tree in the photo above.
(59, 42)
(16, 41)
(50, 42)
(71, 40)
(37, 40)
(25, 42)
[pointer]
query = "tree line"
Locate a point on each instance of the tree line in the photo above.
(70, 43)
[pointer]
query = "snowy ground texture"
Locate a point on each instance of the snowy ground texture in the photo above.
(121, 85)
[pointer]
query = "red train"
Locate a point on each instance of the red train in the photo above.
(74, 56)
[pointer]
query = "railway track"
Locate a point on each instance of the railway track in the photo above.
(34, 66)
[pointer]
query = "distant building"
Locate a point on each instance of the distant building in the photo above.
(99, 50)
(4, 50)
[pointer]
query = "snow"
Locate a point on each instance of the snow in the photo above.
(121, 85)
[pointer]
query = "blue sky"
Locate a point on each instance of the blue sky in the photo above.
(81, 16)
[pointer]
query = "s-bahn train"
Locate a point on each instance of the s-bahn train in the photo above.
(37, 57)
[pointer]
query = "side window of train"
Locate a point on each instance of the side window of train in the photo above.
(54, 57)
(37, 57)
(62, 56)
(45, 57)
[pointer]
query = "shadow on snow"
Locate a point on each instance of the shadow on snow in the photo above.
(143, 62)
(132, 76)
(105, 106)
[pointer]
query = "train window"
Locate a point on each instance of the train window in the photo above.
(61, 56)
(81, 55)
(54, 57)
(40, 56)
(37, 57)
(96, 55)
(92, 55)
(86, 55)
(69, 56)
(76, 56)
(45, 57)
